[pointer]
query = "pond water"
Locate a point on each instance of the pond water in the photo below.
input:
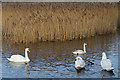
(55, 59)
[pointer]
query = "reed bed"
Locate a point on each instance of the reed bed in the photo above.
(32, 22)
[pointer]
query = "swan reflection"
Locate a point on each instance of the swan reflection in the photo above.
(26, 69)
(19, 65)
(80, 72)
(107, 74)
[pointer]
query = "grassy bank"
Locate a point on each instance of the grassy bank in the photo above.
(31, 22)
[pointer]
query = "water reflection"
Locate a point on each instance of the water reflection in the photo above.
(20, 65)
(80, 72)
(17, 64)
(26, 69)
(107, 74)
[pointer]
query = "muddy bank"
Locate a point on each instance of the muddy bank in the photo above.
(31, 22)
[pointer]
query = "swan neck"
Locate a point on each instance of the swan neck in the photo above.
(26, 55)
(104, 56)
(84, 48)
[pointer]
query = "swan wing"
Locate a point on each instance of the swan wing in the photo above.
(106, 64)
(79, 63)
(17, 58)
(78, 52)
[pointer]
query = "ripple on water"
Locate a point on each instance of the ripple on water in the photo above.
(56, 60)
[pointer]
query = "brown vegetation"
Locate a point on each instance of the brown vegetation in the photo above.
(31, 22)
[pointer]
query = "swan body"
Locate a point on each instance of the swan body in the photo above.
(106, 63)
(79, 63)
(19, 58)
(78, 52)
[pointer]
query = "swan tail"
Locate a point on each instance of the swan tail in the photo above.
(110, 69)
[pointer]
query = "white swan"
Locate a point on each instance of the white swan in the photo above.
(106, 63)
(78, 52)
(19, 58)
(79, 63)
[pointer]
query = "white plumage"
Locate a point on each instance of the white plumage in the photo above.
(79, 63)
(106, 63)
(78, 52)
(19, 58)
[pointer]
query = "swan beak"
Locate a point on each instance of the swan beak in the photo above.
(29, 51)
(75, 59)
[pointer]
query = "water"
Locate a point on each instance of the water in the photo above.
(55, 59)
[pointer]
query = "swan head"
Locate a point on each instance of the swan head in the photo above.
(104, 56)
(27, 49)
(78, 57)
(85, 43)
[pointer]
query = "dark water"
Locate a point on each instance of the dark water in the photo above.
(55, 59)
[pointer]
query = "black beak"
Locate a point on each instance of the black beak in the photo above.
(28, 51)
(75, 59)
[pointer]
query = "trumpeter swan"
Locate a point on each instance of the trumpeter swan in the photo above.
(19, 58)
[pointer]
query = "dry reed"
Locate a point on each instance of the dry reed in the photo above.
(31, 22)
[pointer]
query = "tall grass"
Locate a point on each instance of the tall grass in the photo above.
(31, 22)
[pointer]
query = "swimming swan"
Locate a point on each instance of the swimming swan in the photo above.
(106, 63)
(78, 52)
(19, 58)
(79, 63)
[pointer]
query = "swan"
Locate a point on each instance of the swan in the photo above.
(106, 63)
(78, 52)
(79, 63)
(19, 58)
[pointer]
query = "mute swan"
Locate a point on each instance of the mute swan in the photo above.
(78, 52)
(106, 63)
(79, 63)
(19, 58)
